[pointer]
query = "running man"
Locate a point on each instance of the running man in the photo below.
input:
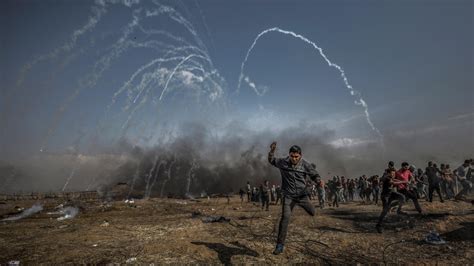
(294, 170)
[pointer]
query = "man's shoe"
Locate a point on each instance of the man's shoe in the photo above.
(278, 249)
(379, 228)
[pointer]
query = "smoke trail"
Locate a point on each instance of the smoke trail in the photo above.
(98, 10)
(70, 177)
(28, 212)
(260, 90)
(168, 176)
(150, 174)
(91, 23)
(174, 71)
(155, 175)
(205, 24)
(121, 46)
(90, 81)
(357, 94)
(191, 174)
(135, 176)
(123, 43)
(176, 16)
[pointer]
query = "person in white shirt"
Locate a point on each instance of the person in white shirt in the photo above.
(461, 173)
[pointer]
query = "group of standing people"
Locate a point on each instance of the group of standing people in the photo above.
(264, 194)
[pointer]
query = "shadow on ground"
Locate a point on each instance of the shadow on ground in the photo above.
(465, 233)
(365, 221)
(225, 253)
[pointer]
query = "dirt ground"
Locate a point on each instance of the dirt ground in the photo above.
(163, 231)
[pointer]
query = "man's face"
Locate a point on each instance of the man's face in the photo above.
(295, 157)
(392, 174)
(405, 167)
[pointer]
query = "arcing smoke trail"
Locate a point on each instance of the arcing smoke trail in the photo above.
(176, 68)
(359, 100)
(191, 61)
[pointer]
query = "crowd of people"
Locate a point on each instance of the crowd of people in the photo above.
(441, 181)
(301, 183)
(392, 189)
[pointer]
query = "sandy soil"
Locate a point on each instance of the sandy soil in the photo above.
(172, 231)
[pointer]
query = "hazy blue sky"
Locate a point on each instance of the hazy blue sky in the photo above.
(62, 62)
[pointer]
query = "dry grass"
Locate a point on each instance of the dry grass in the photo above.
(164, 231)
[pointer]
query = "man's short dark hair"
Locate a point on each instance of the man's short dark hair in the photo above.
(391, 163)
(404, 164)
(295, 148)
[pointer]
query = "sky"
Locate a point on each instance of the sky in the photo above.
(82, 76)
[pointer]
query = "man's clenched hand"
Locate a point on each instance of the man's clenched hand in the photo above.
(273, 146)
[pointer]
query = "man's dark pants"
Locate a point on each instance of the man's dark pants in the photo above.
(410, 194)
(387, 200)
(375, 192)
(265, 201)
(288, 204)
(431, 189)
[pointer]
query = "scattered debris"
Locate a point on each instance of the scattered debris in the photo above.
(106, 206)
(131, 260)
(182, 202)
(129, 201)
(194, 200)
(215, 219)
(13, 263)
(95, 245)
(196, 214)
(434, 238)
(105, 223)
(25, 213)
(63, 226)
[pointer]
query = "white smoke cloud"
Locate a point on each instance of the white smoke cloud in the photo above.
(28, 212)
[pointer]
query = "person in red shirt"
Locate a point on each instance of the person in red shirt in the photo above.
(403, 176)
